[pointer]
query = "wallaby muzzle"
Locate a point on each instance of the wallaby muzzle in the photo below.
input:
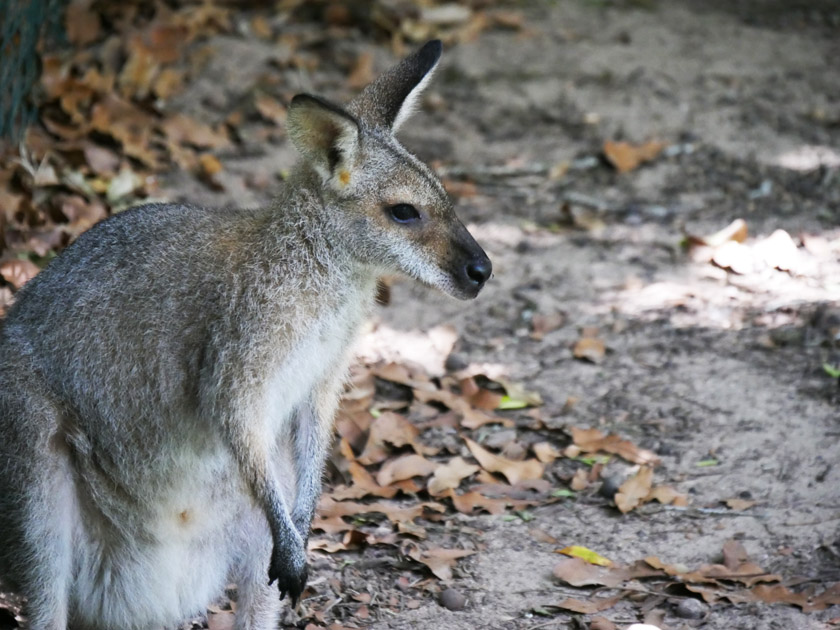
(471, 267)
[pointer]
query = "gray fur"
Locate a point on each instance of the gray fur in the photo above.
(168, 383)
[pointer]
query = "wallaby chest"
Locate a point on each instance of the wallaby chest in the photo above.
(318, 355)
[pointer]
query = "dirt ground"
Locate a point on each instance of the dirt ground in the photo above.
(702, 364)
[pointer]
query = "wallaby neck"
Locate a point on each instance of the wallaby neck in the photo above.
(307, 234)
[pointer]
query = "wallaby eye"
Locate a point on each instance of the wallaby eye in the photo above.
(403, 213)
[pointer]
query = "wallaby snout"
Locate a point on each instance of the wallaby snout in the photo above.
(470, 268)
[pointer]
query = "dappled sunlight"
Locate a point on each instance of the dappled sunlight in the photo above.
(760, 281)
(808, 158)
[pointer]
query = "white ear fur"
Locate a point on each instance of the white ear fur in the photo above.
(412, 102)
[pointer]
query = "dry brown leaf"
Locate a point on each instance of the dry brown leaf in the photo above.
(590, 349)
(103, 161)
(391, 428)
(210, 165)
(18, 272)
(331, 509)
(450, 475)
(542, 536)
(458, 188)
(734, 554)
(513, 471)
(404, 467)
(471, 418)
(580, 480)
(602, 623)
(181, 128)
(468, 502)
(362, 72)
(590, 606)
(80, 213)
(734, 257)
(544, 323)
(363, 485)
(778, 251)
(545, 452)
(81, 23)
(594, 440)
(578, 572)
(271, 109)
(626, 157)
(128, 124)
(168, 82)
(666, 495)
(440, 561)
(736, 231)
(633, 492)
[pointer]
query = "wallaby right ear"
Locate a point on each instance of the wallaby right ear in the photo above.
(393, 97)
(325, 134)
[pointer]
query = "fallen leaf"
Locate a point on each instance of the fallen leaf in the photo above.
(468, 502)
(594, 440)
(580, 480)
(736, 231)
(180, 128)
(739, 505)
(592, 557)
(590, 606)
(517, 396)
(18, 272)
(81, 23)
(735, 257)
(545, 452)
(635, 490)
(514, 471)
(778, 251)
(579, 572)
(541, 536)
(626, 157)
(271, 109)
(666, 495)
(590, 349)
(544, 323)
(394, 429)
(440, 561)
(362, 72)
(602, 623)
(404, 467)
(450, 475)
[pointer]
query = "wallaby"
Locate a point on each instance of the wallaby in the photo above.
(168, 383)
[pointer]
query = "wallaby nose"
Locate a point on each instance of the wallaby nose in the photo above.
(478, 271)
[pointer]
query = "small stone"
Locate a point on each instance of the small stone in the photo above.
(690, 609)
(456, 362)
(609, 487)
(452, 599)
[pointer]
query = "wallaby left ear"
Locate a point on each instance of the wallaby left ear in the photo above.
(324, 133)
(391, 98)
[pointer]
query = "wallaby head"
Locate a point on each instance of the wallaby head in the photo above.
(389, 209)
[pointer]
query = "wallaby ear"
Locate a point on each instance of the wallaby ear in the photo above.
(391, 98)
(324, 133)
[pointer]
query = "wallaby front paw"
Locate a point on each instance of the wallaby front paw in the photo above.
(288, 567)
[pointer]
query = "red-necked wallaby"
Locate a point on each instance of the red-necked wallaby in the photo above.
(168, 383)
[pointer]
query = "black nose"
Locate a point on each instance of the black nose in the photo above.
(478, 271)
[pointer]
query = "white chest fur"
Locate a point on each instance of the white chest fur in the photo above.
(319, 354)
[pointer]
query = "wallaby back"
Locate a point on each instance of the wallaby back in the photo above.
(168, 383)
